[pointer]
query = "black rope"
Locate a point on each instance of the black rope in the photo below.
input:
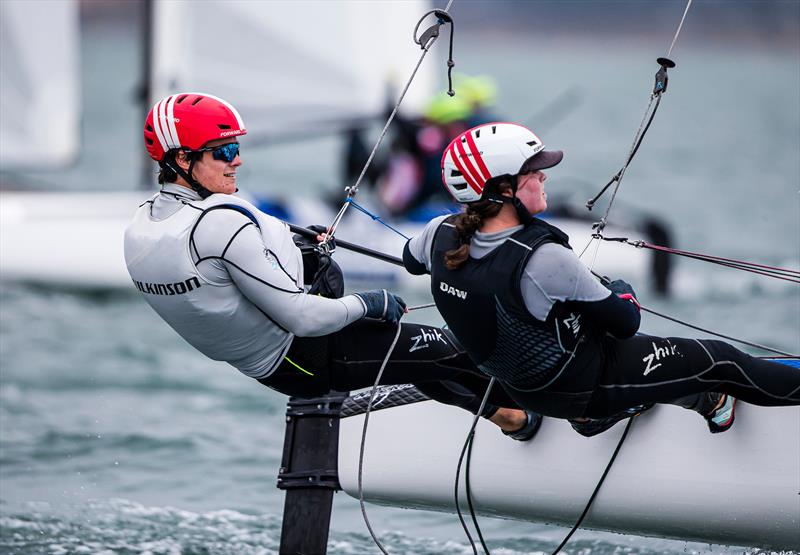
(698, 328)
(468, 445)
(618, 176)
(597, 488)
(605, 281)
(455, 492)
(469, 497)
(442, 17)
(761, 269)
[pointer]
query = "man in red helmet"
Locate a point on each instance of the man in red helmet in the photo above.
(231, 281)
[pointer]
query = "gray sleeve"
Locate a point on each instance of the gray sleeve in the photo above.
(236, 246)
(555, 273)
(420, 246)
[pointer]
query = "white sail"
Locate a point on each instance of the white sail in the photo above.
(292, 65)
(40, 95)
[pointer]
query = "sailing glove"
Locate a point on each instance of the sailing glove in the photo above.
(624, 290)
(382, 305)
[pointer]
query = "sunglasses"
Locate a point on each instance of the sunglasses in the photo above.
(226, 152)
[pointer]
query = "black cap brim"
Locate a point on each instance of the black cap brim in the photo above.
(542, 160)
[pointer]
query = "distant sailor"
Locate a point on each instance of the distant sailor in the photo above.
(529, 312)
(232, 282)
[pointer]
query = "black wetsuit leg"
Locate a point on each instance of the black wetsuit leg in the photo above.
(648, 369)
(350, 359)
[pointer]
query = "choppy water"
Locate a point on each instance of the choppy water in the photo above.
(116, 437)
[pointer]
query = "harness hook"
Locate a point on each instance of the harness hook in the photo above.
(661, 75)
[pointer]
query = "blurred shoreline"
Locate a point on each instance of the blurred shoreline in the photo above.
(743, 23)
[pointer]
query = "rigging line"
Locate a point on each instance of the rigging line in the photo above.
(364, 440)
(745, 268)
(377, 218)
(469, 498)
(599, 483)
(744, 265)
(429, 305)
(594, 258)
(680, 26)
(587, 246)
(658, 90)
(698, 328)
(310, 234)
(616, 180)
(637, 142)
(353, 190)
(470, 435)
(605, 281)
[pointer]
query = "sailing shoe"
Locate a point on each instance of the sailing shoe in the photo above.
(534, 420)
(593, 426)
(722, 419)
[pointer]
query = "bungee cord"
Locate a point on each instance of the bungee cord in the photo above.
(377, 218)
(427, 40)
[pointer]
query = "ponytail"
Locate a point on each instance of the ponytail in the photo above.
(472, 219)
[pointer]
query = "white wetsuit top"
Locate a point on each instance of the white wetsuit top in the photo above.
(553, 273)
(232, 290)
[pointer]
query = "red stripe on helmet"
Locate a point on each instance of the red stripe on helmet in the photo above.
(469, 179)
(473, 171)
(476, 155)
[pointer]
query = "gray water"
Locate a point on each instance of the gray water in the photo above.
(117, 437)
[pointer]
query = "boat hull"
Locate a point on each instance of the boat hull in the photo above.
(671, 479)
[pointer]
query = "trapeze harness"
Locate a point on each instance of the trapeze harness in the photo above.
(227, 278)
(567, 366)
(482, 304)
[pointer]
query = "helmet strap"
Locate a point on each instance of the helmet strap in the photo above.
(524, 216)
(187, 176)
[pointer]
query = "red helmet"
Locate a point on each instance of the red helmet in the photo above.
(189, 120)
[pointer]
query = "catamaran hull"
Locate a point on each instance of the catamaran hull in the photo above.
(672, 478)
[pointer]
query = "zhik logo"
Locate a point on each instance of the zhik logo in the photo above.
(422, 341)
(659, 353)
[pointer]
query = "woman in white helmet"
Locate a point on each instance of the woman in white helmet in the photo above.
(232, 282)
(530, 313)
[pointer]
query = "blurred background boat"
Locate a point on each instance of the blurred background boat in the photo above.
(296, 79)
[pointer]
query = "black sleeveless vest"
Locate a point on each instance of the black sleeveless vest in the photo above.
(483, 306)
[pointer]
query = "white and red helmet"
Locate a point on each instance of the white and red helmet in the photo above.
(491, 150)
(189, 120)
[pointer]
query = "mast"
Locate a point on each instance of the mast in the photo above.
(144, 90)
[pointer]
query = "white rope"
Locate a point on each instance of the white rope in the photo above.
(353, 190)
(680, 26)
